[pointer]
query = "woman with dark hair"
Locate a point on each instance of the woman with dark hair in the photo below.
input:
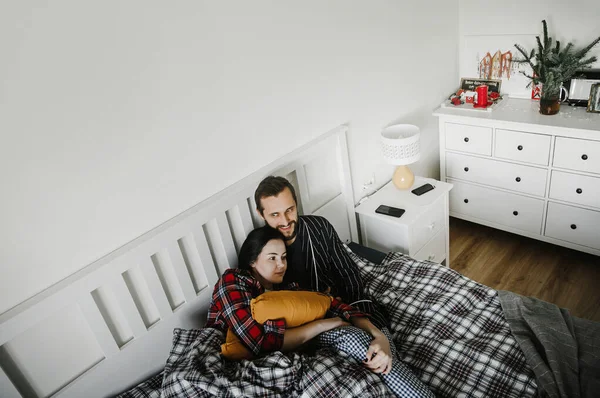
(262, 266)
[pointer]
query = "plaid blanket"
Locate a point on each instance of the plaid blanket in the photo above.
(195, 368)
(448, 329)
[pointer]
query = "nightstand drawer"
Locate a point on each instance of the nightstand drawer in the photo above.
(516, 177)
(435, 250)
(472, 139)
(575, 188)
(576, 154)
(573, 225)
(427, 226)
(500, 207)
(383, 236)
(523, 147)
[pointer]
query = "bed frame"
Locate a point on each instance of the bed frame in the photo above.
(109, 326)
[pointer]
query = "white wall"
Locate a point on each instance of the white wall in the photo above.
(116, 116)
(568, 21)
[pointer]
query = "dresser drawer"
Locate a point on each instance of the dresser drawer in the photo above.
(575, 188)
(435, 250)
(503, 208)
(526, 179)
(472, 139)
(576, 154)
(426, 226)
(573, 225)
(524, 147)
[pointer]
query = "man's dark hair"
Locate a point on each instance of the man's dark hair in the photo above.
(272, 186)
(254, 244)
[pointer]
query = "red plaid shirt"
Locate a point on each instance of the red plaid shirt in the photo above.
(230, 308)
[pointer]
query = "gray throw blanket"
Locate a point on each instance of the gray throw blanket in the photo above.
(562, 350)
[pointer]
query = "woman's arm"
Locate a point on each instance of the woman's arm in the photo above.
(380, 345)
(295, 337)
(231, 297)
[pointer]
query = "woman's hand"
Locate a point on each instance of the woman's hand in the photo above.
(379, 355)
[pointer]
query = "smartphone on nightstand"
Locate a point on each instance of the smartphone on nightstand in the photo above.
(422, 189)
(389, 211)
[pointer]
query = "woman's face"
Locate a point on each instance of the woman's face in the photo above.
(271, 263)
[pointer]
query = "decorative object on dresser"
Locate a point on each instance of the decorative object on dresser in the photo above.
(421, 232)
(552, 66)
(580, 86)
(400, 146)
(470, 84)
(519, 172)
(482, 97)
(594, 101)
(475, 94)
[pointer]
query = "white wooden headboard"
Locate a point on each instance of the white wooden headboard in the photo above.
(109, 326)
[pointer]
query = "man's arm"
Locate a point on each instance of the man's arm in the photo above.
(342, 273)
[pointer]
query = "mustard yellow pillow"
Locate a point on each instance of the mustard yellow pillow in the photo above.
(233, 348)
(296, 307)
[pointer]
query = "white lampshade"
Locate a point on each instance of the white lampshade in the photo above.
(400, 144)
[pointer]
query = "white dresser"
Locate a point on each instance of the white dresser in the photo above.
(519, 171)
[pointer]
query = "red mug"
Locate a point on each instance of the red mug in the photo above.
(482, 96)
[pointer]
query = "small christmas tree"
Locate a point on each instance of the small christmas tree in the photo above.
(553, 65)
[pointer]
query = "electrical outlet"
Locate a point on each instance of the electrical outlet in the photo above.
(369, 184)
(372, 180)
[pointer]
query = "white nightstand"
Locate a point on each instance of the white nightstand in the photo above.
(423, 230)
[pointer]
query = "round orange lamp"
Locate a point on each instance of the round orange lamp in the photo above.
(400, 146)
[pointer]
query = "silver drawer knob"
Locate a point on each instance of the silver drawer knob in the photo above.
(431, 257)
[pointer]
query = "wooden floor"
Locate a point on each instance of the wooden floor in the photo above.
(504, 261)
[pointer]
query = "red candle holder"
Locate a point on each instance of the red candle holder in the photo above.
(482, 97)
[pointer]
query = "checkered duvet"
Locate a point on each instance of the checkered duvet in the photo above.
(195, 368)
(448, 329)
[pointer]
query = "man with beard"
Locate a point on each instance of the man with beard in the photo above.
(317, 258)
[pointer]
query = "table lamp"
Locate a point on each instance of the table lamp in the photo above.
(400, 146)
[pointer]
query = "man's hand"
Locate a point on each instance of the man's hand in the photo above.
(379, 355)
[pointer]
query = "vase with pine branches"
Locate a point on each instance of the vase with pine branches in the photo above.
(553, 65)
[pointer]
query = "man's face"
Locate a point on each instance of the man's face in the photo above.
(280, 213)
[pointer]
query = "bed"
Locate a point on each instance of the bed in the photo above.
(131, 322)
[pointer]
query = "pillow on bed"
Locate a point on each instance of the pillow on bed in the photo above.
(296, 307)
(233, 348)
